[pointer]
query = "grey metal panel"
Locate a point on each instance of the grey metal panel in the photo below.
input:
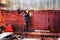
(33, 4)
(37, 4)
(57, 4)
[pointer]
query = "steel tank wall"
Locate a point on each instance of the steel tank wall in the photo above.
(39, 20)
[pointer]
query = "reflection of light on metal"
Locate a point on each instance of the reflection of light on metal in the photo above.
(59, 38)
(5, 34)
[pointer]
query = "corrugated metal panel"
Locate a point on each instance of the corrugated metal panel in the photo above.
(33, 4)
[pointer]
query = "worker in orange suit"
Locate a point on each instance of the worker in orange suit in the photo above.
(9, 28)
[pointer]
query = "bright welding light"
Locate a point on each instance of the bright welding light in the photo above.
(59, 38)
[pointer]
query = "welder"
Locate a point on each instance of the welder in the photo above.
(26, 20)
